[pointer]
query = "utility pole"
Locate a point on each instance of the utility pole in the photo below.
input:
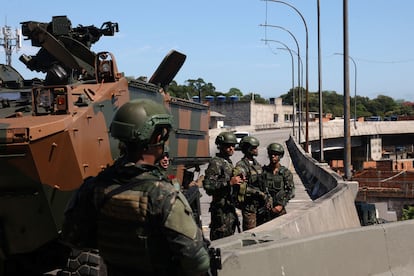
(347, 136)
(321, 157)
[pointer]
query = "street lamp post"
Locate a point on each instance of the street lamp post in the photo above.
(355, 88)
(307, 71)
(293, 79)
(300, 96)
(299, 80)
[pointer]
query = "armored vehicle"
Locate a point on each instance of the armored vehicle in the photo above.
(9, 77)
(49, 148)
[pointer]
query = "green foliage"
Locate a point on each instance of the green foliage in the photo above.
(408, 213)
(234, 92)
(198, 87)
(332, 101)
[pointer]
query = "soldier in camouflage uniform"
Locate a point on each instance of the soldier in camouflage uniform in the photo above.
(191, 191)
(143, 225)
(220, 183)
(278, 181)
(165, 167)
(252, 195)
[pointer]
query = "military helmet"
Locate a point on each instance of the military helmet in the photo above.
(137, 120)
(277, 148)
(226, 138)
(249, 141)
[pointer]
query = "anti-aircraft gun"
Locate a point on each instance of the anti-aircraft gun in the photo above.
(46, 154)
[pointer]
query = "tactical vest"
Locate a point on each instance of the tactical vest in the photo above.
(276, 185)
(250, 191)
(129, 225)
(255, 171)
(274, 182)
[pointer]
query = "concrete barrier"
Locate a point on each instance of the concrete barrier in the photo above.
(380, 250)
(332, 209)
(318, 178)
(323, 237)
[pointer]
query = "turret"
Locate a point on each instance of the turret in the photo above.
(65, 54)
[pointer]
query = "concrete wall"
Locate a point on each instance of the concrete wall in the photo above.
(270, 114)
(237, 113)
(385, 249)
(322, 238)
(254, 114)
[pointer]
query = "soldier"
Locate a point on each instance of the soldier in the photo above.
(191, 191)
(252, 196)
(278, 180)
(164, 162)
(164, 165)
(143, 225)
(219, 183)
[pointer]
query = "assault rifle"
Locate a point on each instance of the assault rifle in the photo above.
(192, 194)
(215, 260)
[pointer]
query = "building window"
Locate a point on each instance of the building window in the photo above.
(287, 118)
(275, 118)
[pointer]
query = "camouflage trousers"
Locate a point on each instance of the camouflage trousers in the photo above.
(249, 212)
(249, 220)
(223, 221)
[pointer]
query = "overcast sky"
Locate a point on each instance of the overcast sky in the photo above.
(223, 40)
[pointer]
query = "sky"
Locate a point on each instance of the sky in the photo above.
(225, 41)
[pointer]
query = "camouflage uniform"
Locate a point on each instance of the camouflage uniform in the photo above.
(253, 196)
(140, 230)
(222, 207)
(170, 175)
(174, 241)
(278, 181)
(139, 222)
(191, 192)
(280, 187)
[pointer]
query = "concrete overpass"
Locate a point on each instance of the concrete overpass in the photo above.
(333, 132)
(322, 236)
(335, 129)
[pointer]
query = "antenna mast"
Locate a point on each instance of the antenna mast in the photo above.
(10, 41)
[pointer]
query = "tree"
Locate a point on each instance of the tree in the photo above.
(199, 87)
(404, 109)
(257, 98)
(332, 101)
(288, 98)
(179, 91)
(408, 213)
(381, 105)
(234, 92)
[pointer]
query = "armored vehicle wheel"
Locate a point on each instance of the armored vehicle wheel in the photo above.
(84, 263)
